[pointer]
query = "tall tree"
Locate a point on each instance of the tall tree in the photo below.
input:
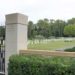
(71, 21)
(43, 26)
(57, 27)
(69, 30)
(30, 29)
(2, 32)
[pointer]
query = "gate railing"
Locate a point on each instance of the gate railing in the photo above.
(2, 58)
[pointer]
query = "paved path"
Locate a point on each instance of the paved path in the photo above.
(62, 49)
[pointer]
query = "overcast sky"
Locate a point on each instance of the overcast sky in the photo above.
(38, 9)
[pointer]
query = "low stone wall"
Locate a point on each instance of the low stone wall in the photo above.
(47, 53)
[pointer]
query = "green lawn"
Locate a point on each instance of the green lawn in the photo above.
(52, 45)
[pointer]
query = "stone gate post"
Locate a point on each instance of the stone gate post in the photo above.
(16, 35)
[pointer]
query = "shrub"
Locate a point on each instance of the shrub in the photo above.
(38, 65)
(70, 49)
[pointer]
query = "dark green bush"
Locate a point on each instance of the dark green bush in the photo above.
(38, 65)
(70, 49)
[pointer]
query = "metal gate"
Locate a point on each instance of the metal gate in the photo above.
(2, 57)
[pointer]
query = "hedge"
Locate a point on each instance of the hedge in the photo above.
(38, 65)
(70, 49)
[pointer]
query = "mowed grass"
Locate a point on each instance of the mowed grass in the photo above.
(51, 45)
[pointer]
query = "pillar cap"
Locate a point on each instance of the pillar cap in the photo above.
(16, 18)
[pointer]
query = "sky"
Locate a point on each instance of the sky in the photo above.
(38, 9)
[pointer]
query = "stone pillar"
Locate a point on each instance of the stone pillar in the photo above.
(16, 35)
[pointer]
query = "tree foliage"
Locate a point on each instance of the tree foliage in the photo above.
(69, 30)
(48, 28)
(2, 32)
(71, 21)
